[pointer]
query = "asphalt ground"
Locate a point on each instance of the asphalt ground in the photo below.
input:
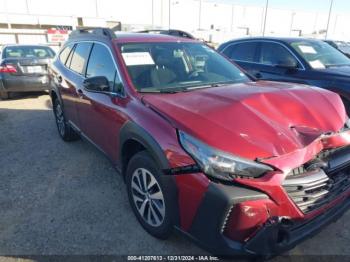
(65, 199)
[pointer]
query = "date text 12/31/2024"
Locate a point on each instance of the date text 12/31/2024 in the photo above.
(173, 258)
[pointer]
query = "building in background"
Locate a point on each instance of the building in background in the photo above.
(28, 21)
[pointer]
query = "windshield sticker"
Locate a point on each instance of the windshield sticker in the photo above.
(138, 58)
(317, 64)
(306, 49)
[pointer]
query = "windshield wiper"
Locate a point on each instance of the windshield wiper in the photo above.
(162, 90)
(172, 90)
(211, 85)
(336, 65)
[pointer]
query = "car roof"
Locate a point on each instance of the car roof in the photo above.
(23, 45)
(286, 40)
(147, 37)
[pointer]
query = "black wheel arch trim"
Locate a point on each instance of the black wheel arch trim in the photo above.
(132, 131)
(53, 92)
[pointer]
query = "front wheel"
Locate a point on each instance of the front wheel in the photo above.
(64, 129)
(151, 195)
(346, 103)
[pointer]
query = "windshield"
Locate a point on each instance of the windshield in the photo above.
(28, 52)
(344, 47)
(319, 54)
(172, 67)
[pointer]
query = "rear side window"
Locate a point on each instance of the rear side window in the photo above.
(101, 64)
(65, 53)
(242, 51)
(274, 54)
(80, 56)
(28, 52)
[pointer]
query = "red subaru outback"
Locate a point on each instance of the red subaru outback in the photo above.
(242, 167)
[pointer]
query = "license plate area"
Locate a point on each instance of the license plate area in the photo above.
(34, 69)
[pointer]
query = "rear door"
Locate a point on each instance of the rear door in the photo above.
(29, 66)
(245, 55)
(70, 79)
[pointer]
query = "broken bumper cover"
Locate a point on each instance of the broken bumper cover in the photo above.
(278, 235)
(273, 236)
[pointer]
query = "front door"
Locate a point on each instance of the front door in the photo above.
(101, 113)
(271, 58)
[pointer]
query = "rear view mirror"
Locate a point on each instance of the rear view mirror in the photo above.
(97, 84)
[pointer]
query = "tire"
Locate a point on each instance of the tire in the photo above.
(158, 203)
(4, 95)
(65, 131)
(346, 105)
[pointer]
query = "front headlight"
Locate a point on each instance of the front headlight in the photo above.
(219, 164)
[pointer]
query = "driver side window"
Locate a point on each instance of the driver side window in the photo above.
(275, 54)
(101, 64)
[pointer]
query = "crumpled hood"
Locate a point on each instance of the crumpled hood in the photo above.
(253, 120)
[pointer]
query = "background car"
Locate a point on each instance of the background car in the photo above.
(342, 46)
(24, 68)
(305, 61)
(172, 32)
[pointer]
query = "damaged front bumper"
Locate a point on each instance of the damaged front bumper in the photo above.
(236, 221)
(279, 234)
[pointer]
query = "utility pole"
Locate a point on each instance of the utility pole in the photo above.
(96, 8)
(152, 14)
(200, 14)
(266, 7)
(329, 18)
(291, 23)
(169, 13)
(232, 14)
(161, 12)
(27, 6)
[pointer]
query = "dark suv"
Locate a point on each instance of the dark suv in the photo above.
(242, 167)
(298, 60)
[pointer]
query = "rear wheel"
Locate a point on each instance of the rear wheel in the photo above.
(4, 95)
(151, 195)
(65, 131)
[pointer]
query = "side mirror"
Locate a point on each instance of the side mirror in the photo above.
(288, 64)
(97, 84)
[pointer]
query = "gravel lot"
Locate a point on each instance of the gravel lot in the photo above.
(61, 198)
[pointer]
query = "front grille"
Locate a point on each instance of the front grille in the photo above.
(314, 189)
(311, 190)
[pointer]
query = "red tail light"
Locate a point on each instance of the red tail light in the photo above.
(8, 69)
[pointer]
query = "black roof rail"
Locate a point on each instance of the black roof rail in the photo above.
(97, 31)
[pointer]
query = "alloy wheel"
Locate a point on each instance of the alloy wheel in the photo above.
(148, 197)
(60, 119)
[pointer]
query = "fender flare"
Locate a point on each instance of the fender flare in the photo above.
(132, 131)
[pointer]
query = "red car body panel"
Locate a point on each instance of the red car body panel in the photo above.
(191, 190)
